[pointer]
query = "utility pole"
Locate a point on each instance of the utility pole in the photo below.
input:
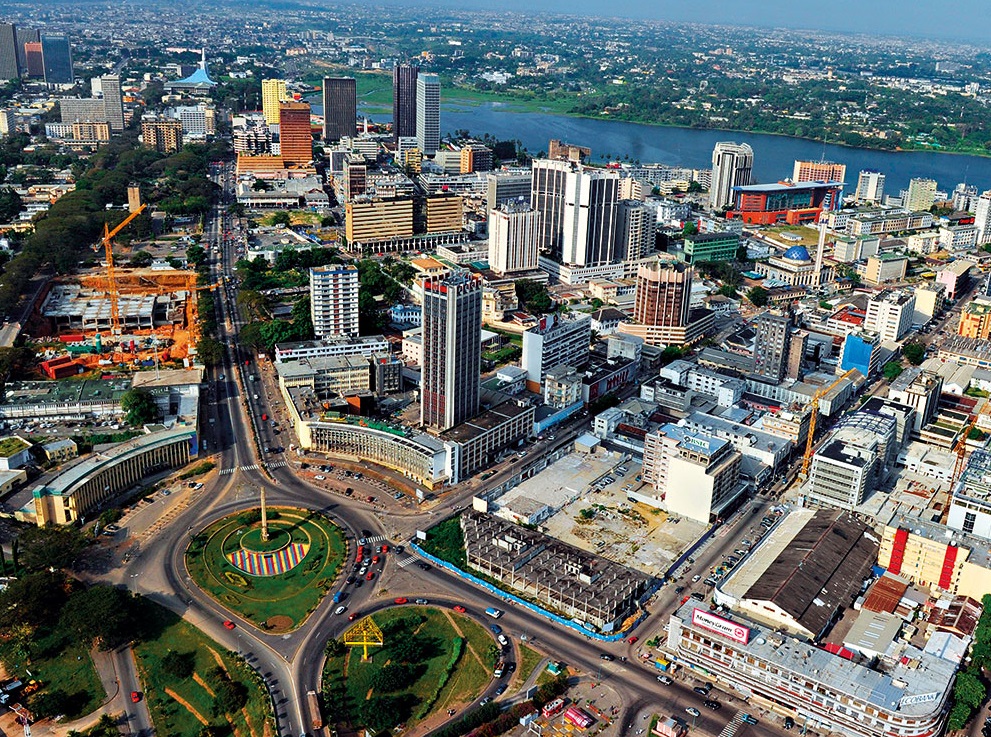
(264, 516)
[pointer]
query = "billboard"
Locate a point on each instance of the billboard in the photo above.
(708, 621)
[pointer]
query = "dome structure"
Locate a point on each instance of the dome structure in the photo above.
(798, 253)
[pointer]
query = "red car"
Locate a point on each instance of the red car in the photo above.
(352, 616)
(385, 548)
(135, 696)
(633, 639)
(375, 559)
(370, 575)
(229, 624)
(460, 609)
(402, 600)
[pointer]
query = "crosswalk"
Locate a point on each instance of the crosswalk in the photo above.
(734, 724)
(406, 561)
(376, 539)
(253, 467)
(278, 464)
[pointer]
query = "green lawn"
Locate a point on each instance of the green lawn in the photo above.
(276, 603)
(420, 643)
(447, 542)
(69, 669)
(175, 719)
(529, 660)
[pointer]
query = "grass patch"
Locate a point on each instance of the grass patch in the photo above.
(172, 634)
(447, 542)
(11, 445)
(198, 470)
(529, 660)
(292, 595)
(503, 355)
(399, 680)
(69, 669)
(296, 217)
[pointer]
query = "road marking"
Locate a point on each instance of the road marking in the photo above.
(277, 464)
(376, 539)
(406, 561)
(252, 467)
(734, 724)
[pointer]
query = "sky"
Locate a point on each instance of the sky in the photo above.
(888, 17)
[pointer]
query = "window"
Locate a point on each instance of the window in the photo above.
(968, 521)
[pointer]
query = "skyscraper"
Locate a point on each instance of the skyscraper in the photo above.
(818, 171)
(428, 113)
(771, 344)
(547, 197)
(273, 92)
(982, 217)
(513, 230)
(295, 134)
(732, 166)
(23, 37)
(452, 325)
(921, 193)
(340, 108)
(113, 101)
(34, 60)
(662, 294)
(57, 54)
(635, 230)
(8, 51)
(870, 187)
(404, 101)
(334, 300)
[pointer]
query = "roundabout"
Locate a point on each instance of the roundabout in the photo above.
(272, 580)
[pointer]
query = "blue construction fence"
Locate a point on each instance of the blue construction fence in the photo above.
(691, 551)
(529, 605)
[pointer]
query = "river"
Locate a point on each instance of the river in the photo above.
(774, 156)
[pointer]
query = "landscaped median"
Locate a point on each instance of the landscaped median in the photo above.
(273, 583)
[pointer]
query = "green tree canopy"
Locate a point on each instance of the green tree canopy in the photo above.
(10, 204)
(914, 352)
(757, 296)
(139, 407)
(45, 548)
(101, 614)
(281, 218)
(892, 370)
(533, 296)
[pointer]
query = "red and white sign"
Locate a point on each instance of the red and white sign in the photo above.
(726, 628)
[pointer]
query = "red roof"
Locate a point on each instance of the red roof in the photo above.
(885, 595)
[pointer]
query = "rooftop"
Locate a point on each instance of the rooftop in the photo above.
(787, 186)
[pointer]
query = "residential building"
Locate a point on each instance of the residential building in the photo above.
(113, 101)
(870, 188)
(929, 301)
(636, 228)
(919, 389)
(885, 267)
(475, 157)
(562, 386)
(818, 171)
(772, 342)
(273, 94)
(452, 324)
(57, 56)
(921, 194)
(955, 277)
(334, 300)
(368, 220)
(845, 468)
(428, 113)
(162, 134)
(662, 295)
(295, 134)
(958, 237)
(338, 345)
(91, 132)
(198, 121)
(82, 110)
(861, 350)
(561, 151)
(705, 247)
(732, 166)
(975, 319)
(404, 101)
(513, 231)
(982, 217)
(970, 504)
(890, 313)
(555, 340)
(340, 108)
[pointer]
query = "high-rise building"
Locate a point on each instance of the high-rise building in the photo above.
(508, 187)
(93, 132)
(732, 166)
(295, 134)
(662, 295)
(404, 101)
(428, 113)
(113, 101)
(8, 52)
(85, 109)
(273, 93)
(818, 171)
(921, 194)
(355, 177)
(475, 157)
(34, 60)
(870, 187)
(547, 184)
(982, 217)
(452, 328)
(24, 36)
(591, 199)
(443, 213)
(890, 313)
(635, 230)
(162, 134)
(340, 108)
(367, 220)
(57, 55)
(772, 344)
(554, 341)
(334, 300)
(513, 230)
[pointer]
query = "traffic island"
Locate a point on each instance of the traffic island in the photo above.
(274, 575)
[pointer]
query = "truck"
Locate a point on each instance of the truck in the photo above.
(338, 596)
(313, 702)
(494, 613)
(552, 708)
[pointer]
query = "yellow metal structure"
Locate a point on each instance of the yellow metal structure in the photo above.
(363, 634)
(961, 447)
(810, 442)
(108, 246)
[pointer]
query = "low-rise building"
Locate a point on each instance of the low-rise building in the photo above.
(476, 443)
(15, 452)
(885, 267)
(341, 345)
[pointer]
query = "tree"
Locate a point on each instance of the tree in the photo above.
(195, 254)
(690, 228)
(757, 296)
(51, 703)
(393, 677)
(335, 648)
(141, 259)
(230, 696)
(101, 614)
(10, 204)
(892, 370)
(179, 665)
(533, 296)
(30, 600)
(969, 690)
(914, 352)
(281, 218)
(728, 290)
(139, 407)
(209, 350)
(45, 548)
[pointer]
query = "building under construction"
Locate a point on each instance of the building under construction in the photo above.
(72, 307)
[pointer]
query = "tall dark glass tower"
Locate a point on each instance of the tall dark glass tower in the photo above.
(58, 58)
(340, 106)
(404, 101)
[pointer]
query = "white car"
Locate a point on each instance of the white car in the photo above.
(341, 609)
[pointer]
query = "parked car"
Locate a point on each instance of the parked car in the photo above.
(666, 680)
(606, 656)
(693, 711)
(401, 600)
(711, 704)
(460, 609)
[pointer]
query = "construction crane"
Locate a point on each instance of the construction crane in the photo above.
(108, 246)
(961, 446)
(814, 404)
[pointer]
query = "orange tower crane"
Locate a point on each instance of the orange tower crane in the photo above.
(810, 442)
(108, 245)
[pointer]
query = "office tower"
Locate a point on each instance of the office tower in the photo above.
(442, 213)
(982, 211)
(355, 177)
(732, 166)
(34, 60)
(428, 113)
(113, 101)
(334, 300)
(340, 108)
(24, 36)
(404, 101)
(921, 194)
(8, 122)
(591, 198)
(552, 342)
(662, 294)
(635, 229)
(295, 136)
(818, 171)
(162, 134)
(452, 328)
(870, 187)
(507, 186)
(513, 230)
(547, 184)
(57, 54)
(273, 93)
(771, 344)
(8, 52)
(82, 109)
(890, 313)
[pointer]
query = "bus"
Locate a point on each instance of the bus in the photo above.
(313, 702)
(579, 717)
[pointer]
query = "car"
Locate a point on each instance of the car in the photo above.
(696, 578)
(369, 499)
(400, 548)
(320, 477)
(348, 491)
(606, 656)
(361, 541)
(341, 609)
(711, 704)
(501, 690)
(422, 602)
(633, 639)
(749, 719)
(135, 696)
(679, 589)
(459, 609)
(702, 690)
(666, 680)
(352, 616)
(745, 543)
(486, 700)
(400, 600)
(697, 596)
(693, 711)
(496, 629)
(229, 624)
(370, 575)
(739, 552)
(789, 722)
(349, 580)
(358, 583)
(423, 566)
(510, 667)
(375, 559)
(384, 549)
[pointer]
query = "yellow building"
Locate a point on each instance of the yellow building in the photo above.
(427, 267)
(273, 92)
(378, 219)
(975, 320)
(91, 131)
(444, 213)
(413, 158)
